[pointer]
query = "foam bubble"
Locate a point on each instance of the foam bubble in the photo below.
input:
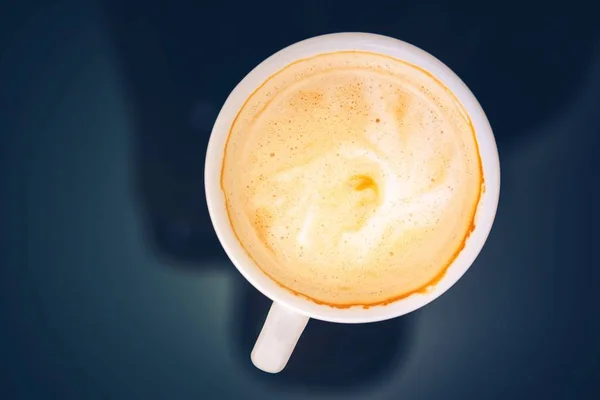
(352, 178)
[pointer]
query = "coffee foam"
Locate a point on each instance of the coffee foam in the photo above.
(352, 178)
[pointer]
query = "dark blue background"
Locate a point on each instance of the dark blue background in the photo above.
(113, 285)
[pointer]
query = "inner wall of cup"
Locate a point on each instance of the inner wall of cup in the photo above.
(330, 43)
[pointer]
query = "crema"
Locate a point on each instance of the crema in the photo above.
(352, 178)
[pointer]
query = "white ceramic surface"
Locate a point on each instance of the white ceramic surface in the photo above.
(287, 319)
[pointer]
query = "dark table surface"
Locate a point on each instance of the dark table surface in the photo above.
(112, 282)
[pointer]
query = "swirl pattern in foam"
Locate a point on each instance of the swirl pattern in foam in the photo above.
(352, 178)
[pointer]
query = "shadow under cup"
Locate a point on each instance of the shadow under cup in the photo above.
(292, 309)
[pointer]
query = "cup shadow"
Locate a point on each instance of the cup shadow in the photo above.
(175, 95)
(172, 128)
(329, 356)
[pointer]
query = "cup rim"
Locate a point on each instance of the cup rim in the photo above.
(348, 41)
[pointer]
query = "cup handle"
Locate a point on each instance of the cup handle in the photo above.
(277, 339)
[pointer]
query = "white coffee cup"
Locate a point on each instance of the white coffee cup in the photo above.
(289, 313)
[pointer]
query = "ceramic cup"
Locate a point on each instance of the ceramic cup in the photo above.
(290, 313)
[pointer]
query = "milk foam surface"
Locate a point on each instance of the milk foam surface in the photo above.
(352, 178)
